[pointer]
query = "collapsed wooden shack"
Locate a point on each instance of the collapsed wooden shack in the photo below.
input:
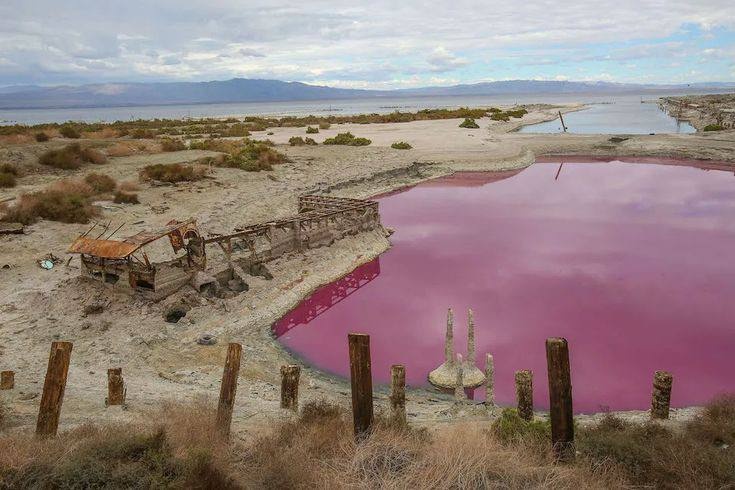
(320, 221)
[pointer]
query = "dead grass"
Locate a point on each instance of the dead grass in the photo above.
(172, 173)
(72, 157)
(67, 201)
(16, 139)
(8, 174)
(128, 186)
(170, 144)
(125, 198)
(121, 149)
(100, 183)
(94, 156)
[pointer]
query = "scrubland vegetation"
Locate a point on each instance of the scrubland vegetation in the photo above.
(179, 449)
(8, 174)
(172, 173)
(713, 127)
(311, 130)
(72, 157)
(67, 201)
(348, 139)
(401, 145)
(299, 141)
(469, 123)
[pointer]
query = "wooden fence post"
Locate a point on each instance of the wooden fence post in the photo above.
(53, 389)
(290, 387)
(524, 393)
(362, 384)
(7, 380)
(661, 397)
(398, 393)
(228, 389)
(560, 398)
(115, 387)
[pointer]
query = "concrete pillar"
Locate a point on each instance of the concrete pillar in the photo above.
(459, 394)
(449, 339)
(489, 380)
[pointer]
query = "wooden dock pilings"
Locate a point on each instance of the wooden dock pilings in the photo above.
(53, 389)
(661, 397)
(7, 380)
(228, 389)
(524, 393)
(115, 387)
(362, 384)
(290, 387)
(560, 398)
(398, 393)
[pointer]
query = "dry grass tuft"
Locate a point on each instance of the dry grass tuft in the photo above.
(72, 157)
(91, 155)
(121, 149)
(100, 183)
(172, 172)
(41, 137)
(170, 144)
(125, 198)
(128, 186)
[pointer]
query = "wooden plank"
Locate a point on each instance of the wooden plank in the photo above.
(290, 387)
(362, 384)
(115, 387)
(228, 388)
(53, 389)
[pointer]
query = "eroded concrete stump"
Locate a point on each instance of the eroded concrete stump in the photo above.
(398, 393)
(7, 380)
(446, 374)
(290, 387)
(661, 398)
(115, 387)
(524, 393)
(472, 376)
(459, 394)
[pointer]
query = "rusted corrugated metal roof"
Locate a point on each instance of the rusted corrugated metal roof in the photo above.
(119, 249)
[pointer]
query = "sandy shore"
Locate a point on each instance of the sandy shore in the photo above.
(161, 361)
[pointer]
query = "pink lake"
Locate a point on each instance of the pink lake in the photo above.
(633, 263)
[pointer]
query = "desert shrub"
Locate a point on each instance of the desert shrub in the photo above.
(296, 141)
(126, 198)
(238, 129)
(401, 145)
(71, 157)
(169, 144)
(172, 173)
(517, 113)
(7, 180)
(120, 150)
(311, 130)
(66, 201)
(500, 116)
(41, 137)
(92, 155)
(9, 168)
(511, 428)
(254, 156)
(713, 127)
(469, 123)
(142, 133)
(347, 139)
(310, 141)
(324, 125)
(100, 183)
(128, 185)
(69, 131)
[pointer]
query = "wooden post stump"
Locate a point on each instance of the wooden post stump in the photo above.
(362, 384)
(398, 393)
(228, 389)
(489, 380)
(290, 387)
(53, 389)
(7, 380)
(661, 398)
(560, 398)
(115, 387)
(524, 394)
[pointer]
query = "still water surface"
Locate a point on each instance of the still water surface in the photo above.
(632, 263)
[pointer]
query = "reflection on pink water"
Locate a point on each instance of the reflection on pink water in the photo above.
(633, 264)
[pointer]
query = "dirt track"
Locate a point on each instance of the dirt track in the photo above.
(161, 360)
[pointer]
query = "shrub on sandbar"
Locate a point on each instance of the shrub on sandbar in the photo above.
(469, 123)
(66, 201)
(347, 139)
(100, 183)
(126, 198)
(401, 145)
(172, 172)
(713, 127)
(311, 130)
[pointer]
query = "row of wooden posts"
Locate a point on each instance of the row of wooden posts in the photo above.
(557, 358)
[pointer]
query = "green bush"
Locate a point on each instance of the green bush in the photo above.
(347, 139)
(469, 123)
(510, 428)
(310, 141)
(172, 173)
(41, 137)
(713, 127)
(70, 132)
(296, 141)
(311, 130)
(324, 125)
(401, 145)
(500, 116)
(67, 158)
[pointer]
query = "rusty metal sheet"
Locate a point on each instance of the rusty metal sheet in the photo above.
(109, 249)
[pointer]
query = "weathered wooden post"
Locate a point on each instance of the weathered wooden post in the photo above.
(7, 380)
(290, 387)
(524, 393)
(53, 389)
(489, 380)
(398, 393)
(459, 395)
(115, 387)
(362, 384)
(661, 398)
(560, 398)
(228, 389)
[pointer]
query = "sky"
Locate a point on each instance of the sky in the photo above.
(370, 44)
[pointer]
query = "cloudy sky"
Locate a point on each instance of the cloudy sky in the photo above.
(369, 44)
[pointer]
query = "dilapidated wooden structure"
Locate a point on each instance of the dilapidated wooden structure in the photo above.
(320, 221)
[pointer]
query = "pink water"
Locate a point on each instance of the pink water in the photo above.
(633, 263)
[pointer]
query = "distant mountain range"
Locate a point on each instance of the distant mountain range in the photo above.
(247, 90)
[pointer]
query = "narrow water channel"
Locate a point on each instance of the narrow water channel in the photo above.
(632, 263)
